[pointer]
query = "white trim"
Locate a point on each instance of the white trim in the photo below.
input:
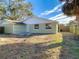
(13, 29)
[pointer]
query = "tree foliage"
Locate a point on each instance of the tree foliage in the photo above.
(71, 7)
(2, 10)
(17, 9)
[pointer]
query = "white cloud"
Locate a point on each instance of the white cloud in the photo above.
(59, 15)
(59, 10)
(61, 18)
(66, 20)
(55, 9)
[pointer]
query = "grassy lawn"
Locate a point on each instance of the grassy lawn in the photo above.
(73, 48)
(51, 46)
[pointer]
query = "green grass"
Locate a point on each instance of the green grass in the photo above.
(73, 47)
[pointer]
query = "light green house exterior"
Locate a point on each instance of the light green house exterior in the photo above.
(42, 29)
(28, 25)
(15, 28)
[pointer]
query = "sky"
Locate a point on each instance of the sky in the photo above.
(49, 9)
(40, 6)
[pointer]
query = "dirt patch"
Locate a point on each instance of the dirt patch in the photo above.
(33, 47)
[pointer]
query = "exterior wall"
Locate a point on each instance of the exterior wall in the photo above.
(74, 29)
(56, 29)
(15, 28)
(8, 28)
(19, 29)
(71, 30)
(42, 29)
(23, 29)
(63, 28)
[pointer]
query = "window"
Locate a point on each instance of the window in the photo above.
(48, 26)
(36, 26)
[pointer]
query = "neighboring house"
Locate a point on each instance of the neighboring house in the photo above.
(31, 25)
(74, 27)
(63, 28)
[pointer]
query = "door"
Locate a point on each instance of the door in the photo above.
(1, 30)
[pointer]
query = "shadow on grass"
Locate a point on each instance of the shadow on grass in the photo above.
(21, 36)
(27, 51)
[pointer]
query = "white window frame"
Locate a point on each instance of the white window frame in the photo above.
(48, 26)
(36, 26)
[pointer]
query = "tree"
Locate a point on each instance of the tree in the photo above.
(71, 7)
(2, 11)
(17, 9)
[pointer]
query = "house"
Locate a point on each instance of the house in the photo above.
(74, 27)
(31, 25)
(63, 28)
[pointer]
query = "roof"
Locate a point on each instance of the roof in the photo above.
(37, 20)
(18, 22)
(31, 20)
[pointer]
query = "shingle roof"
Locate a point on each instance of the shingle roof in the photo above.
(37, 20)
